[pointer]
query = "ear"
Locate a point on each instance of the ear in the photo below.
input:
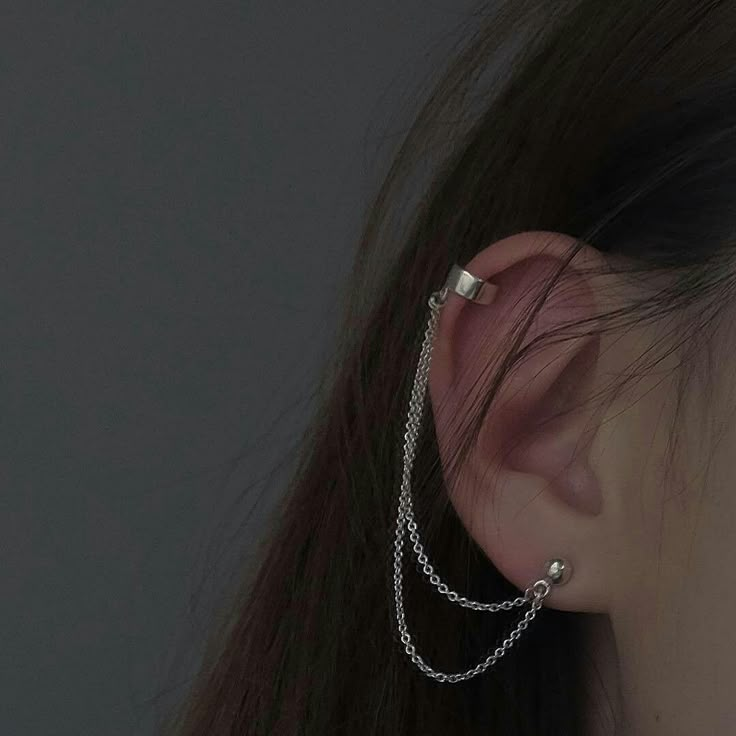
(527, 491)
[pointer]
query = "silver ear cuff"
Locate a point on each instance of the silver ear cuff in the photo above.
(556, 571)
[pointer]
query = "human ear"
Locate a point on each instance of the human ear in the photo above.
(527, 491)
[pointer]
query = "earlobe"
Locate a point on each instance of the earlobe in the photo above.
(527, 492)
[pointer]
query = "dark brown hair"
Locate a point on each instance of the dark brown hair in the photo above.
(614, 122)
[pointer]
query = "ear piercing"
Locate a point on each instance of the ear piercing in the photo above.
(557, 571)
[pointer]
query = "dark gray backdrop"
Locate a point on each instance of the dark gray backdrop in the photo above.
(182, 186)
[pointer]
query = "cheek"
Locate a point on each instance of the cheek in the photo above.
(629, 456)
(666, 454)
(706, 496)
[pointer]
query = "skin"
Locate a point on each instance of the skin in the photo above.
(569, 464)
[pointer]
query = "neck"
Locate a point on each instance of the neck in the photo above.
(664, 669)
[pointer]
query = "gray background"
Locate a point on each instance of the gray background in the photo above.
(182, 187)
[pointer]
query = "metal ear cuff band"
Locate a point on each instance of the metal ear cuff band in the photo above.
(466, 285)
(556, 571)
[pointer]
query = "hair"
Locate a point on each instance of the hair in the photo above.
(614, 122)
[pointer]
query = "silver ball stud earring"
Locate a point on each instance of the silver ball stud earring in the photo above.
(557, 571)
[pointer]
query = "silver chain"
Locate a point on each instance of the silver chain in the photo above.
(534, 595)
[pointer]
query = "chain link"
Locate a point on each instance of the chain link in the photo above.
(534, 595)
